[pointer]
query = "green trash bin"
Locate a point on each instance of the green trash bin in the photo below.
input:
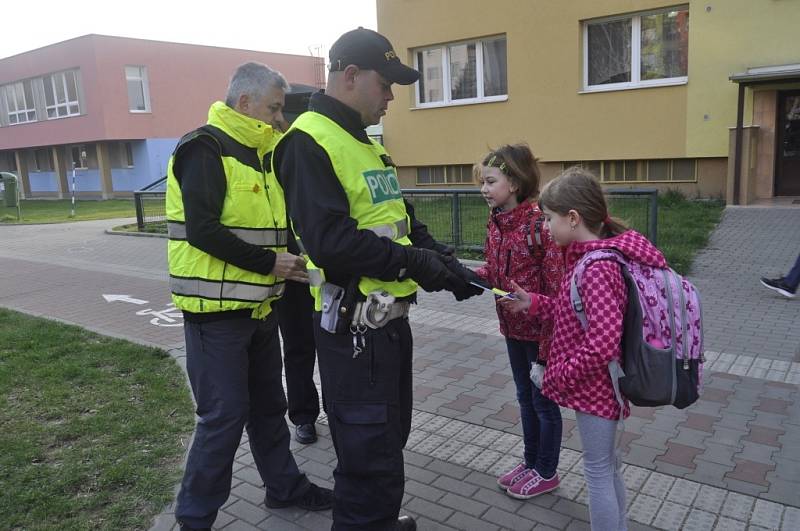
(11, 192)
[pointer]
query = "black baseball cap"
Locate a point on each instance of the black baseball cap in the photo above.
(370, 50)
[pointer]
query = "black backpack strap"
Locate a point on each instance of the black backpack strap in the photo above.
(533, 234)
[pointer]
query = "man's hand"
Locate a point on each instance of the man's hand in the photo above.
(291, 267)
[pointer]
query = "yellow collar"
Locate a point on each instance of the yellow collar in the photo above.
(245, 130)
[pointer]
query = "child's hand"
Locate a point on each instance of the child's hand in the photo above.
(518, 305)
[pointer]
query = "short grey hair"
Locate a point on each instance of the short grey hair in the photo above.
(254, 79)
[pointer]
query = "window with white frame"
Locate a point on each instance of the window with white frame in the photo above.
(138, 91)
(646, 49)
(61, 94)
(19, 102)
(464, 72)
(452, 174)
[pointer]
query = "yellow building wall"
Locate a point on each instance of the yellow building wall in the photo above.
(727, 37)
(545, 106)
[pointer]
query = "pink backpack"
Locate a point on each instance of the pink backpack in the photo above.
(662, 340)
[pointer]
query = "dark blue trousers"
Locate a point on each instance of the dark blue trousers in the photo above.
(234, 367)
(295, 312)
(540, 416)
(368, 400)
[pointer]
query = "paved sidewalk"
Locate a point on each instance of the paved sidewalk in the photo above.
(728, 462)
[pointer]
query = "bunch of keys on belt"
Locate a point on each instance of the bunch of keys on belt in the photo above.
(496, 291)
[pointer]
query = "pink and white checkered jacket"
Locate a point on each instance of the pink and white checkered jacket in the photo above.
(577, 371)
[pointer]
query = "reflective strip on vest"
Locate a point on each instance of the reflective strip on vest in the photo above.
(393, 231)
(315, 277)
(260, 237)
(195, 287)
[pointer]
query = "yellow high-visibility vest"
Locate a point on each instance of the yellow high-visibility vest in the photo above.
(372, 190)
(253, 209)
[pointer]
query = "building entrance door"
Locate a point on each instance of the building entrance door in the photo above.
(787, 158)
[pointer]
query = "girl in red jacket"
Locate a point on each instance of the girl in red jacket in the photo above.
(519, 248)
(577, 374)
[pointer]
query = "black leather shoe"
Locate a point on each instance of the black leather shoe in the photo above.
(305, 434)
(406, 523)
(315, 499)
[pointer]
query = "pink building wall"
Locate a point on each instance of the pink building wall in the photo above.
(183, 80)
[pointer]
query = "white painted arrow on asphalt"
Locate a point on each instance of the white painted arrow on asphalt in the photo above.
(123, 298)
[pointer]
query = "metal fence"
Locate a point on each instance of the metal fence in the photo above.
(151, 207)
(456, 217)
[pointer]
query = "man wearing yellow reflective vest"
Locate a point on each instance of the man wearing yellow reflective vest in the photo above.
(227, 227)
(367, 255)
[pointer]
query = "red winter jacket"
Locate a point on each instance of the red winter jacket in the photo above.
(577, 370)
(508, 258)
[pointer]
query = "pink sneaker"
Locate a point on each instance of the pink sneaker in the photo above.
(532, 484)
(512, 476)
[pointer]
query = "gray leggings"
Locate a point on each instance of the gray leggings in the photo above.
(603, 478)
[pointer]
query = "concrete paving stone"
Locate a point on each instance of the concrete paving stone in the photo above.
(445, 450)
(729, 436)
(683, 491)
(249, 492)
(482, 480)
(643, 455)
(505, 442)
(431, 510)
(567, 458)
(250, 513)
(671, 516)
(750, 471)
(729, 524)
(426, 524)
(434, 424)
(583, 496)
(635, 476)
(427, 445)
(791, 519)
(448, 469)
(427, 492)
(764, 435)
(317, 454)
(738, 506)
(570, 485)
(575, 510)
(760, 453)
(415, 437)
(644, 508)
(495, 497)
(419, 474)
(465, 454)
(486, 438)
(672, 470)
(506, 519)
(469, 433)
(658, 485)
(468, 523)
(719, 453)
(541, 515)
(577, 525)
(710, 499)
(782, 491)
(317, 469)
(457, 486)
(240, 525)
(657, 439)
(767, 514)
(698, 422)
(463, 504)
(698, 520)
(500, 466)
